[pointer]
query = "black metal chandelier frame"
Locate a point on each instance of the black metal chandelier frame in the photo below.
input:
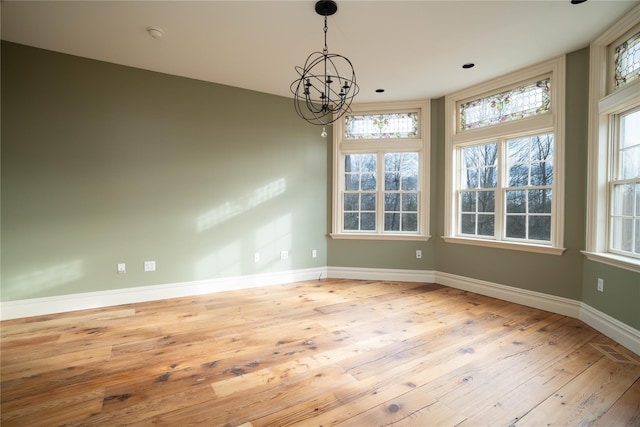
(327, 83)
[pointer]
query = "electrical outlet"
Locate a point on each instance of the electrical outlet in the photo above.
(600, 284)
(284, 254)
(418, 254)
(256, 257)
(122, 268)
(149, 266)
(314, 253)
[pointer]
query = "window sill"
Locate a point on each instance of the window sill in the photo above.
(614, 260)
(506, 245)
(358, 236)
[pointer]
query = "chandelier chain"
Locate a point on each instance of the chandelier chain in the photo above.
(326, 49)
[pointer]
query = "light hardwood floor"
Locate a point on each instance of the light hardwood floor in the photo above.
(317, 353)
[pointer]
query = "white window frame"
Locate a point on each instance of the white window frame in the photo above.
(603, 105)
(421, 145)
(551, 122)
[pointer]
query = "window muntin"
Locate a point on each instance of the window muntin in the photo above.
(626, 61)
(382, 126)
(624, 235)
(516, 103)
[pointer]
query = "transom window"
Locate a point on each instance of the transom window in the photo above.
(503, 188)
(516, 103)
(380, 156)
(376, 126)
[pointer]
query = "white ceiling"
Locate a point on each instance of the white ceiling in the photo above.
(412, 49)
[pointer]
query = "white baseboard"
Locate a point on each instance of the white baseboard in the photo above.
(607, 325)
(425, 276)
(554, 304)
(83, 301)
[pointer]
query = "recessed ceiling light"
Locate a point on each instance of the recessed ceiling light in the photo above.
(468, 65)
(155, 32)
(379, 90)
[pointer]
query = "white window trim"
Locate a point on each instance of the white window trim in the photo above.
(554, 120)
(600, 106)
(424, 113)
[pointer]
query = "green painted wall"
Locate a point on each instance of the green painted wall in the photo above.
(621, 296)
(104, 164)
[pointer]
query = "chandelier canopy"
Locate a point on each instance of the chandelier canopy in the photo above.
(327, 82)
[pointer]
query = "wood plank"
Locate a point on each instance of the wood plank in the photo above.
(74, 406)
(586, 398)
(413, 408)
(514, 404)
(625, 412)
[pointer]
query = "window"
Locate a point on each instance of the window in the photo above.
(504, 141)
(513, 104)
(625, 186)
(613, 194)
(381, 153)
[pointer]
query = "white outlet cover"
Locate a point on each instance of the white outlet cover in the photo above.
(149, 266)
(284, 254)
(122, 268)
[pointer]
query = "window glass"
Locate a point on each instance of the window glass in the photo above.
(529, 192)
(627, 61)
(512, 104)
(401, 192)
(382, 126)
(625, 187)
(359, 197)
(479, 178)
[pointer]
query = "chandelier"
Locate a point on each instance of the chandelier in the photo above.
(327, 82)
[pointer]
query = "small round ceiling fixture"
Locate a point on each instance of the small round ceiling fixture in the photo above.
(155, 32)
(468, 65)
